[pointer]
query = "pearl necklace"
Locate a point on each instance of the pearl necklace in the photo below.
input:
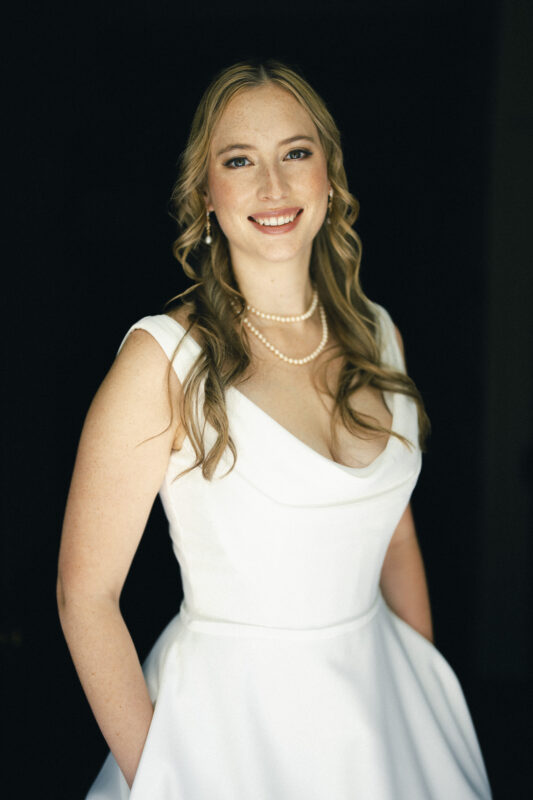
(278, 353)
(278, 318)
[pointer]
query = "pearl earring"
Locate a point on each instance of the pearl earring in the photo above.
(330, 206)
(208, 238)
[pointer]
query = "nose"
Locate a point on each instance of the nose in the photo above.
(272, 183)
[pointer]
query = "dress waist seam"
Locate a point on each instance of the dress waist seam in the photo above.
(216, 627)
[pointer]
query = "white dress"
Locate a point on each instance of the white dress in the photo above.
(285, 676)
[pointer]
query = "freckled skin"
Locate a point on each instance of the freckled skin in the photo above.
(265, 179)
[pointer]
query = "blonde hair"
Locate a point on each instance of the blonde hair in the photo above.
(214, 294)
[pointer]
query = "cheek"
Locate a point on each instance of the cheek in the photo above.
(227, 210)
(314, 183)
(319, 179)
(223, 191)
(225, 206)
(225, 197)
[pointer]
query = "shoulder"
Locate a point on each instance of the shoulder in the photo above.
(141, 388)
(162, 329)
(181, 314)
(399, 340)
(390, 338)
(141, 366)
(167, 330)
(141, 348)
(133, 399)
(154, 341)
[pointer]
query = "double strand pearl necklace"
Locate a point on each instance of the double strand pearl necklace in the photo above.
(295, 318)
(278, 318)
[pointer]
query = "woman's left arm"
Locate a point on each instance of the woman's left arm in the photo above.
(403, 578)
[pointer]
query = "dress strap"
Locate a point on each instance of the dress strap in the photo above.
(169, 334)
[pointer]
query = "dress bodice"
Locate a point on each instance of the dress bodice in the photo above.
(285, 515)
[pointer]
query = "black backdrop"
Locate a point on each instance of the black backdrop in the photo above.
(99, 105)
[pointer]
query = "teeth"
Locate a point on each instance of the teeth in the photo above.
(274, 221)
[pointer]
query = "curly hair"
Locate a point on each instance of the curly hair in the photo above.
(215, 302)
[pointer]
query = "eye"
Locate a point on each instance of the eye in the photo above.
(299, 154)
(233, 162)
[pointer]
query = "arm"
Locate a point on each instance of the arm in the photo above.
(403, 578)
(113, 487)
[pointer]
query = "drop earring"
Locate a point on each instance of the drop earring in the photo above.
(207, 238)
(330, 206)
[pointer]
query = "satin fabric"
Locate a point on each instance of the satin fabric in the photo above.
(285, 675)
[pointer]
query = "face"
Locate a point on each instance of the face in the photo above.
(267, 176)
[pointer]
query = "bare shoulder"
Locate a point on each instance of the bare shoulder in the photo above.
(141, 357)
(140, 393)
(140, 376)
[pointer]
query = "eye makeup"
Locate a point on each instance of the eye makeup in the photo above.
(306, 153)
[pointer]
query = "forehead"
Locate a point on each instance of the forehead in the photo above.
(264, 112)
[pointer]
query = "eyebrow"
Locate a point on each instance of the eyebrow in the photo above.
(251, 147)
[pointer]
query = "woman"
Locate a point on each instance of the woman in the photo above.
(285, 444)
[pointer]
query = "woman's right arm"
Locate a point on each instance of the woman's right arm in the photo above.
(113, 488)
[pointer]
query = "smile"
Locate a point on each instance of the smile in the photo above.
(272, 223)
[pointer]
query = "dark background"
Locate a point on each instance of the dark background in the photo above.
(433, 100)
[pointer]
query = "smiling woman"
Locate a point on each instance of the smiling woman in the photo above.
(271, 409)
(267, 185)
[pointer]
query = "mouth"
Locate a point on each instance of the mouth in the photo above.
(277, 223)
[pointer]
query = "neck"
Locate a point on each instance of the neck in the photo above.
(276, 288)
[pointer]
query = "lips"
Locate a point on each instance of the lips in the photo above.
(277, 221)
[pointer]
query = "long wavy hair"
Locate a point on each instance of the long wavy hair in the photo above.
(215, 303)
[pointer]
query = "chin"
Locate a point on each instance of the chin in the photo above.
(277, 250)
(279, 255)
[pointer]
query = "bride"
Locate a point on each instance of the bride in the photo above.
(287, 401)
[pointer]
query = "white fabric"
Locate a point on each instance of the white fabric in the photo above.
(285, 676)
